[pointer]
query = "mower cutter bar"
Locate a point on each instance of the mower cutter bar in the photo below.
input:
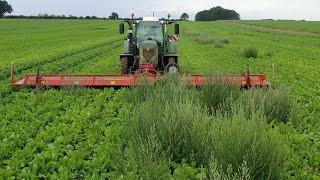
(245, 81)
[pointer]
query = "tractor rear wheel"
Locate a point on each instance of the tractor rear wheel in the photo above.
(124, 65)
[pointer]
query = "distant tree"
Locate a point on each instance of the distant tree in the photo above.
(217, 13)
(114, 16)
(184, 16)
(5, 7)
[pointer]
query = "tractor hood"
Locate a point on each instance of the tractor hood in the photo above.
(148, 52)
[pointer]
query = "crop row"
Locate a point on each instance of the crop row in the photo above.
(81, 60)
(94, 51)
(35, 39)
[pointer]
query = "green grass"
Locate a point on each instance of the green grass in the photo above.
(80, 133)
(301, 26)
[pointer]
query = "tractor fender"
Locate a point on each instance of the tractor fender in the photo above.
(129, 56)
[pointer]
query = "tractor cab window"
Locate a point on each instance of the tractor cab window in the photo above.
(149, 30)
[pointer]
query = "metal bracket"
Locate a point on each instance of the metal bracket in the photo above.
(12, 73)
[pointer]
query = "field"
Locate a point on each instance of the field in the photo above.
(299, 26)
(92, 133)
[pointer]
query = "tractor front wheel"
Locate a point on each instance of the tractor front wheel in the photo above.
(124, 65)
(172, 67)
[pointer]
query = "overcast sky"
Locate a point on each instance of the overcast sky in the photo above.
(248, 9)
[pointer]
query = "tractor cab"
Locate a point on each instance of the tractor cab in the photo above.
(150, 30)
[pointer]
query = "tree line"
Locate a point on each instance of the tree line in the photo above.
(213, 14)
(47, 16)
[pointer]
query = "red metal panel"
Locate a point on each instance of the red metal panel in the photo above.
(244, 81)
(133, 80)
(78, 80)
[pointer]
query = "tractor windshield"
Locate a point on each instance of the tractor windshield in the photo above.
(150, 30)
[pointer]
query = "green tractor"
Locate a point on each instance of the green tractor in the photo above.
(148, 43)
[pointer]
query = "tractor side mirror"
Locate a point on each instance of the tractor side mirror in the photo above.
(121, 28)
(176, 29)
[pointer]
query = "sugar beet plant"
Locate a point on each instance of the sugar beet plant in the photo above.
(173, 124)
(62, 134)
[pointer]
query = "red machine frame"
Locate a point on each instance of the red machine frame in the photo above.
(146, 72)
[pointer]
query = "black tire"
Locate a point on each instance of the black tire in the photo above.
(172, 68)
(124, 65)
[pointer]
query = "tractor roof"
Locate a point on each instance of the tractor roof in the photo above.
(150, 19)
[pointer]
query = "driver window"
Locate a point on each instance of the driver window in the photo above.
(153, 32)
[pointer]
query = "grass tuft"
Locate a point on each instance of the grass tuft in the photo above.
(217, 95)
(238, 138)
(204, 38)
(218, 44)
(225, 41)
(276, 104)
(250, 52)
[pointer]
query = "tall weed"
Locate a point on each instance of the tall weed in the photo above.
(172, 123)
(276, 103)
(217, 95)
(237, 138)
